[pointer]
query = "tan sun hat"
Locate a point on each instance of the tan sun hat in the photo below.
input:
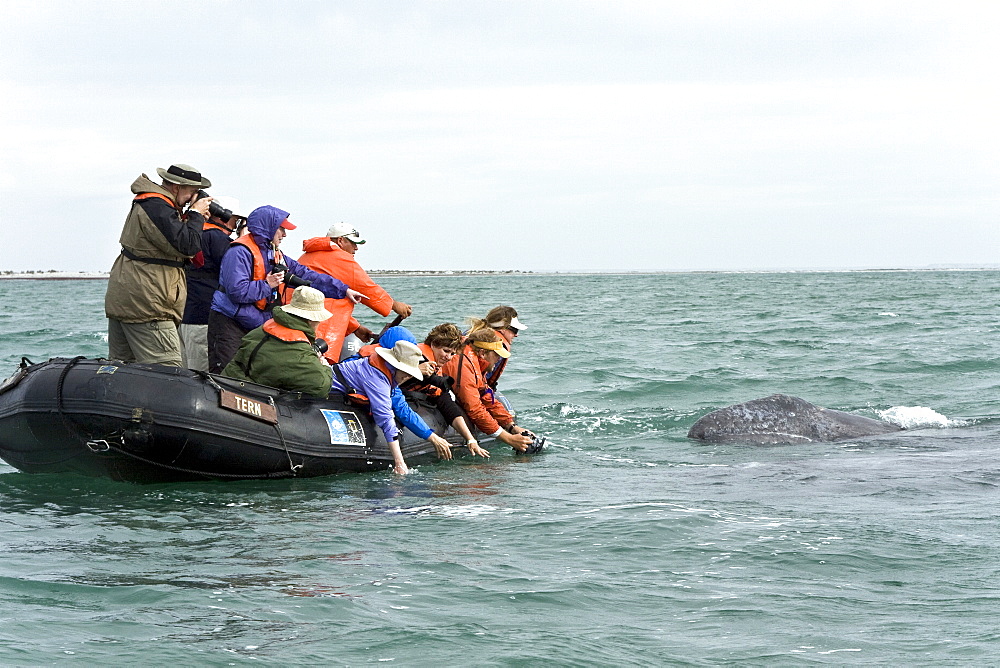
(405, 356)
(307, 303)
(184, 175)
(338, 230)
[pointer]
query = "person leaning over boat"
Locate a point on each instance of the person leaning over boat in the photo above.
(481, 351)
(334, 255)
(503, 320)
(280, 352)
(372, 379)
(441, 344)
(434, 387)
(252, 280)
(203, 281)
(146, 291)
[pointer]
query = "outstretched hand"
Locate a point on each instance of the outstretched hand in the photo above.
(442, 446)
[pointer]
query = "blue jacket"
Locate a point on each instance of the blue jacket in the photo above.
(238, 292)
(204, 281)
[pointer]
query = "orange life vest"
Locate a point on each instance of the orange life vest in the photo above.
(139, 198)
(259, 268)
(210, 225)
(285, 333)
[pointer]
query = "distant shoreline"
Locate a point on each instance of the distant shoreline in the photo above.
(76, 276)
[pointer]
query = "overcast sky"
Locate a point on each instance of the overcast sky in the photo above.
(539, 135)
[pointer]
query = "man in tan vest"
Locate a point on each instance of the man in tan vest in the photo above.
(147, 287)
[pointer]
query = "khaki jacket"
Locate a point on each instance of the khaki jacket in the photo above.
(140, 291)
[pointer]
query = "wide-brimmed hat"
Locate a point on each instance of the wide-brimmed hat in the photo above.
(338, 230)
(184, 175)
(496, 346)
(405, 356)
(307, 303)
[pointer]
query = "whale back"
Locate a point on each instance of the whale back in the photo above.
(781, 418)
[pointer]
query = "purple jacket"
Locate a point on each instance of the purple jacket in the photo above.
(238, 292)
(372, 383)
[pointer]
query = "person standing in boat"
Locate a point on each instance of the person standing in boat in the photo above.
(483, 348)
(372, 380)
(334, 255)
(203, 280)
(280, 352)
(147, 289)
(253, 277)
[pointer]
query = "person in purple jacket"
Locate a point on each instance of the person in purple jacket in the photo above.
(252, 279)
(375, 377)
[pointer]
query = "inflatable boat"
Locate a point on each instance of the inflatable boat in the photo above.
(149, 423)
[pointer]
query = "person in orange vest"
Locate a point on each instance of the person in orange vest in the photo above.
(280, 352)
(503, 320)
(334, 255)
(483, 348)
(254, 277)
(147, 289)
(373, 379)
(442, 344)
(203, 279)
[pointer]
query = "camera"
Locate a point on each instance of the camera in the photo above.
(537, 443)
(291, 280)
(214, 209)
(320, 346)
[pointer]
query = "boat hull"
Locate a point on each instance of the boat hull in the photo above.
(148, 423)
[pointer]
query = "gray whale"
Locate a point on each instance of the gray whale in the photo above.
(780, 418)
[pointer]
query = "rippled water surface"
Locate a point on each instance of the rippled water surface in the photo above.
(624, 544)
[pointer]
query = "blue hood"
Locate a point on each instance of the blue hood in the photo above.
(394, 334)
(263, 222)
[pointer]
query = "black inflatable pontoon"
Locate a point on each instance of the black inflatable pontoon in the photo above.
(149, 423)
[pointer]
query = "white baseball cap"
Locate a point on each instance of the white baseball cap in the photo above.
(338, 230)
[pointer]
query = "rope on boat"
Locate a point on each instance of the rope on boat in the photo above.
(181, 469)
(294, 468)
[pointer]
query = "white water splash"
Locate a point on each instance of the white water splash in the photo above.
(915, 417)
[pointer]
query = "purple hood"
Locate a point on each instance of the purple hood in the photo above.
(263, 222)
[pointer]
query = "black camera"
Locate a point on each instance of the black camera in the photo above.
(215, 209)
(320, 346)
(291, 280)
(537, 443)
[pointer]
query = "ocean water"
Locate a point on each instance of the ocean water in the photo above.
(624, 544)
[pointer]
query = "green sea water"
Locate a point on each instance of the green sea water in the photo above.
(625, 543)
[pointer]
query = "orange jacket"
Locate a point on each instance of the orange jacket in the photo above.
(324, 256)
(473, 394)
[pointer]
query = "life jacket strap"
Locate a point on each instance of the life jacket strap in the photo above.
(152, 260)
(351, 395)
